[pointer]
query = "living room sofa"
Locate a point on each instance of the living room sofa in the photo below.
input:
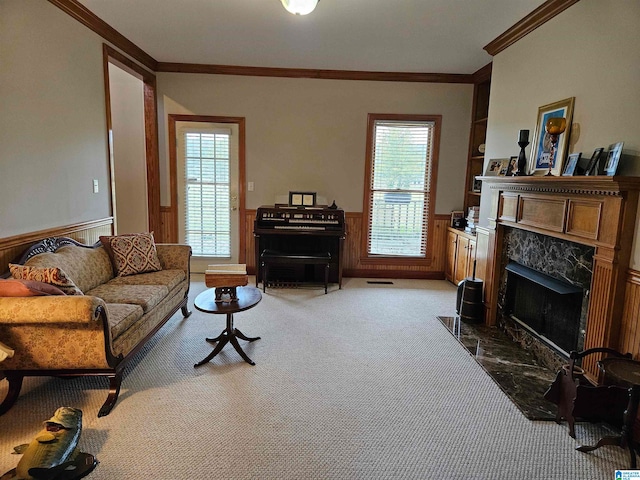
(94, 332)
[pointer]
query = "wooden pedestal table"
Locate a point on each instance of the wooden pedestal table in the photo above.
(622, 372)
(248, 297)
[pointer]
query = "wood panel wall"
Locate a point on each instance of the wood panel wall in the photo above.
(86, 232)
(352, 251)
(630, 325)
(168, 227)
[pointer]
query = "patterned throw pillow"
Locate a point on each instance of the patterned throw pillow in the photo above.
(10, 287)
(133, 253)
(53, 276)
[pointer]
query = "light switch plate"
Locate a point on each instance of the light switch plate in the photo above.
(96, 188)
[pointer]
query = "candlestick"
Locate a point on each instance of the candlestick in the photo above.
(522, 159)
(524, 136)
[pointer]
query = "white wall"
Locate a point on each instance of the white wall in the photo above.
(129, 151)
(52, 119)
(591, 52)
(310, 134)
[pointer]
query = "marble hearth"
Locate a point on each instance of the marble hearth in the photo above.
(517, 372)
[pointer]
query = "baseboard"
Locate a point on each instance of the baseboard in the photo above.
(405, 274)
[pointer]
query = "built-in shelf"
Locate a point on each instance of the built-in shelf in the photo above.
(477, 136)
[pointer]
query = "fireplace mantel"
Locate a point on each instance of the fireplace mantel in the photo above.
(597, 211)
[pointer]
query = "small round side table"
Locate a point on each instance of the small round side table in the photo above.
(248, 297)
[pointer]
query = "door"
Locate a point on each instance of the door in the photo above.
(208, 191)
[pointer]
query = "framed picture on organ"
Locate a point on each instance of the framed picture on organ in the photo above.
(302, 199)
(543, 148)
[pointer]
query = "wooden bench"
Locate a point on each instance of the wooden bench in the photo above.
(269, 258)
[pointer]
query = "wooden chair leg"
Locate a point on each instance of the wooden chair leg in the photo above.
(15, 384)
(112, 398)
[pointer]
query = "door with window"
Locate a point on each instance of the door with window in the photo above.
(208, 191)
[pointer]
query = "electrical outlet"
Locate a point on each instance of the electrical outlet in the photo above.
(96, 188)
(250, 186)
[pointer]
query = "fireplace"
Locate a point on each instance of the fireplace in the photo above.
(544, 293)
(575, 233)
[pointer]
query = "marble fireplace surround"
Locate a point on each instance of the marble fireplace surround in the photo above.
(597, 212)
(570, 265)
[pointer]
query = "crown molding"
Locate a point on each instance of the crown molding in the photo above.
(106, 31)
(528, 24)
(314, 73)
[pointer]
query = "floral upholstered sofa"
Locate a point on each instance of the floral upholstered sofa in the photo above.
(103, 314)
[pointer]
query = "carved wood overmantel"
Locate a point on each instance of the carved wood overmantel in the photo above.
(596, 211)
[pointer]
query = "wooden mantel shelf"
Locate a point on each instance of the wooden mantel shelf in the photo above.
(598, 211)
(599, 185)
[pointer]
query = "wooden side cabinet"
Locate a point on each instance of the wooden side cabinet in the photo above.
(461, 253)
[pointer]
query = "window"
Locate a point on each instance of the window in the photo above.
(207, 193)
(400, 190)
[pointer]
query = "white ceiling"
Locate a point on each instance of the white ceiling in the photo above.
(426, 36)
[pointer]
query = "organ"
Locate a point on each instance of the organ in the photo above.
(300, 231)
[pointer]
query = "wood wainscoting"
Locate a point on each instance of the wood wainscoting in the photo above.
(352, 251)
(85, 232)
(630, 326)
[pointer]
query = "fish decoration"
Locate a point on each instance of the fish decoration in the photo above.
(53, 454)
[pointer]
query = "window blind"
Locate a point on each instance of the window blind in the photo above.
(400, 187)
(207, 197)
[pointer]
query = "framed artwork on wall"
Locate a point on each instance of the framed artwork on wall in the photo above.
(541, 148)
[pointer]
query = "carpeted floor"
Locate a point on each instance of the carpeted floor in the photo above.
(362, 383)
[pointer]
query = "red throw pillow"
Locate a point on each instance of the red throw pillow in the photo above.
(11, 287)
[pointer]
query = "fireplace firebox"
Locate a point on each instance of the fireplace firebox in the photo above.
(548, 308)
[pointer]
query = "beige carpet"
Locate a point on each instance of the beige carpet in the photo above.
(362, 383)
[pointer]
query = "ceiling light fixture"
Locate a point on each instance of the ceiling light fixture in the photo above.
(300, 7)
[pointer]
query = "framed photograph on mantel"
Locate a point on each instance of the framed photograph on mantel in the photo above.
(572, 163)
(613, 158)
(541, 148)
(592, 167)
(496, 167)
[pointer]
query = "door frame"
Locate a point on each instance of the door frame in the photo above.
(110, 55)
(173, 172)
